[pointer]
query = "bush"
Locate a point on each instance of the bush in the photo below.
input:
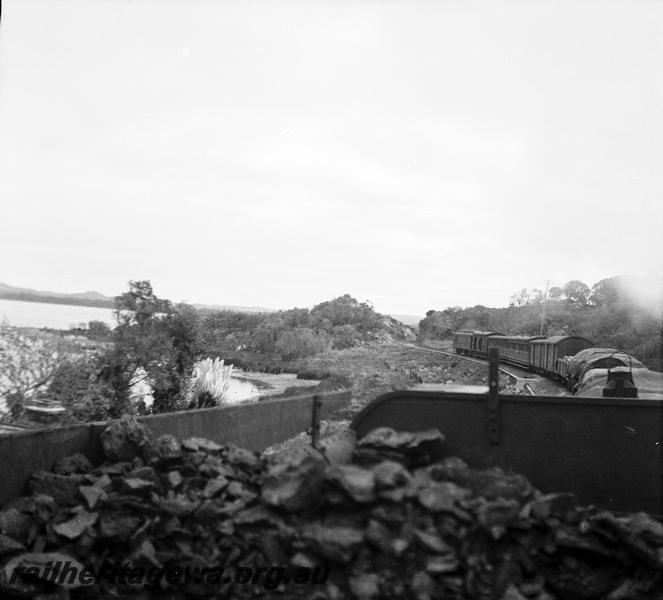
(345, 336)
(210, 383)
(78, 387)
(98, 329)
(300, 343)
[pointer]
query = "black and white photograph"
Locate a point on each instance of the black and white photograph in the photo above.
(331, 299)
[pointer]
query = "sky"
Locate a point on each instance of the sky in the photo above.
(414, 154)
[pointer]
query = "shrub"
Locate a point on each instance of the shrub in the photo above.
(300, 343)
(209, 383)
(345, 336)
(77, 386)
(98, 329)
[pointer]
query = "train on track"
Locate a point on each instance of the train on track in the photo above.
(563, 358)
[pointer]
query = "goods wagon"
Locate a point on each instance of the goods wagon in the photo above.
(463, 342)
(253, 426)
(605, 450)
(479, 342)
(544, 353)
(513, 349)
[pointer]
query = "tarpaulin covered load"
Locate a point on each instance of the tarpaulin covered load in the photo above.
(649, 383)
(598, 358)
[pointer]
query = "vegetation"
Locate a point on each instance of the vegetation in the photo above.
(297, 333)
(27, 365)
(609, 313)
(83, 392)
(98, 330)
(164, 346)
(210, 382)
(160, 345)
(155, 340)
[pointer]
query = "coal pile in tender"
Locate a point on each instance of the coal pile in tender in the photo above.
(390, 516)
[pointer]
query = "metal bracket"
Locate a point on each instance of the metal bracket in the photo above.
(315, 421)
(494, 409)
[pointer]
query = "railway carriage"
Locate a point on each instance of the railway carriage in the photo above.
(513, 349)
(463, 342)
(544, 354)
(479, 342)
(548, 356)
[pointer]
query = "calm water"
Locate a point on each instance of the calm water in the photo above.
(54, 316)
(240, 390)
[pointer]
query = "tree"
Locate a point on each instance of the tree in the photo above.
(606, 292)
(522, 298)
(345, 310)
(296, 317)
(555, 293)
(265, 336)
(480, 315)
(182, 326)
(576, 292)
(437, 324)
(536, 296)
(154, 340)
(139, 305)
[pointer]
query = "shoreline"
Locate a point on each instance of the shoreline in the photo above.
(274, 384)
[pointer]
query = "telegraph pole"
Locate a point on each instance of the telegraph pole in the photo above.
(543, 312)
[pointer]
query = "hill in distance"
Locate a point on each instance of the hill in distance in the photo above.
(14, 291)
(10, 292)
(411, 320)
(91, 298)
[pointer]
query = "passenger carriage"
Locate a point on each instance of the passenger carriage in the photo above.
(479, 342)
(513, 349)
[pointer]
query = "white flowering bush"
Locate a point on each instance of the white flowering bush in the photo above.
(210, 383)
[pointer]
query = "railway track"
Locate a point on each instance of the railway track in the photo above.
(522, 379)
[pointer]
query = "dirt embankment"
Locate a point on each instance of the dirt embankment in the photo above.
(381, 368)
